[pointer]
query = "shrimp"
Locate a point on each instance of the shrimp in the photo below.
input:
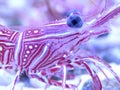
(56, 47)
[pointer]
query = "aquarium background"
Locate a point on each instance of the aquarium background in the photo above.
(18, 13)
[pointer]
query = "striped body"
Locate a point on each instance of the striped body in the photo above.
(38, 48)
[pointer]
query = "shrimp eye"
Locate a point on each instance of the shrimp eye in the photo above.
(74, 21)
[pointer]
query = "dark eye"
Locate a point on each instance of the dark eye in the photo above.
(74, 21)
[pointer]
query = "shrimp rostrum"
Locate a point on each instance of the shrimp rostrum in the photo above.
(55, 47)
